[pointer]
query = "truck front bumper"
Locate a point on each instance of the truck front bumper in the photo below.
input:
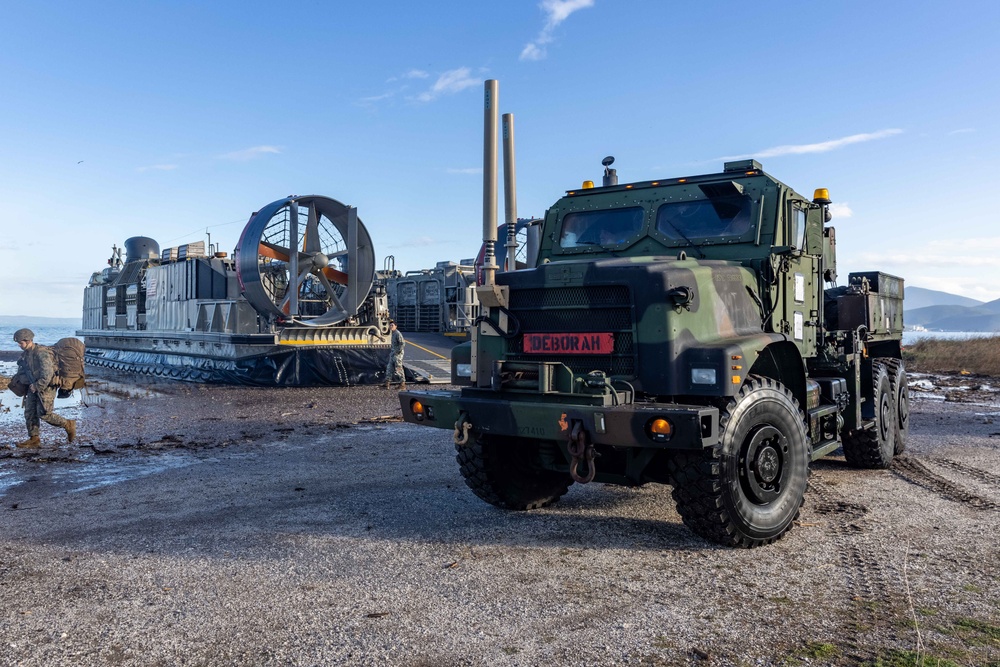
(691, 426)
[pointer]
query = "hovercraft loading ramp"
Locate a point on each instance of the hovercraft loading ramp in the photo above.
(428, 356)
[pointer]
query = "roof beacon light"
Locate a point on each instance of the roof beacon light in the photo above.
(587, 185)
(821, 196)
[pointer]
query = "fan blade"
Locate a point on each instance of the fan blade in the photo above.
(310, 243)
(293, 289)
(336, 276)
(266, 249)
(329, 291)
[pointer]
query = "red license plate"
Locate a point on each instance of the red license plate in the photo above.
(569, 343)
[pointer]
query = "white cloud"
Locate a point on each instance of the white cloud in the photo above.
(929, 260)
(821, 147)
(964, 130)
(466, 170)
(250, 153)
(556, 11)
(532, 52)
(369, 101)
(841, 211)
(158, 167)
(412, 74)
(450, 82)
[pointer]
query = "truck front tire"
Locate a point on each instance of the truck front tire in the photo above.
(747, 490)
(505, 472)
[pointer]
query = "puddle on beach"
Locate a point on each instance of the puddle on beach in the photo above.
(89, 472)
(79, 469)
(98, 392)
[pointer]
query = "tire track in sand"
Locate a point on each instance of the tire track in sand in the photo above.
(915, 472)
(865, 580)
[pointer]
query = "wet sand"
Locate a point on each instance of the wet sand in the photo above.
(223, 525)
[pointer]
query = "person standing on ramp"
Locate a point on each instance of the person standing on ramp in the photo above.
(396, 345)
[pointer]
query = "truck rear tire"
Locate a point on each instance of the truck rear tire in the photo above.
(901, 392)
(504, 472)
(874, 447)
(747, 490)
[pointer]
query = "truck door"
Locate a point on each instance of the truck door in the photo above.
(800, 269)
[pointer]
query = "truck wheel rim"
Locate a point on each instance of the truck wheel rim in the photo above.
(762, 469)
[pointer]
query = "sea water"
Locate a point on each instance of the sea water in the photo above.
(911, 337)
(44, 334)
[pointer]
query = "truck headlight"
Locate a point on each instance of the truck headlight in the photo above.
(703, 376)
(463, 370)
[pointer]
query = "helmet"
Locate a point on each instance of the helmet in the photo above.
(24, 334)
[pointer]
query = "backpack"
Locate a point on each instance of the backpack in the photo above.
(69, 365)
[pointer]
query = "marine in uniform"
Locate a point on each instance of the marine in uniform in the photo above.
(396, 345)
(36, 369)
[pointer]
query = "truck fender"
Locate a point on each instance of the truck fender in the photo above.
(781, 361)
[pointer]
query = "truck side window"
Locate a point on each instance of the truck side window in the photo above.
(594, 228)
(798, 231)
(704, 218)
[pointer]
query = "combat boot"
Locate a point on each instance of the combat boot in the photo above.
(34, 442)
(402, 386)
(386, 385)
(70, 430)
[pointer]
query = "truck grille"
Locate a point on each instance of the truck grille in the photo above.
(595, 309)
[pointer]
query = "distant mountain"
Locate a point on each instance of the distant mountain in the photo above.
(941, 311)
(919, 297)
(965, 323)
(930, 314)
(28, 321)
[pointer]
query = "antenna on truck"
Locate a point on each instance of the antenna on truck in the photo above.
(610, 175)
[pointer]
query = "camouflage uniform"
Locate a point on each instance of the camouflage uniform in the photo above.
(395, 365)
(37, 366)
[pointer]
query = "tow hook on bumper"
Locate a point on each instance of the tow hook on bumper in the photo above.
(580, 448)
(462, 428)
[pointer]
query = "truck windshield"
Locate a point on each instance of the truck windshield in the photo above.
(606, 228)
(704, 218)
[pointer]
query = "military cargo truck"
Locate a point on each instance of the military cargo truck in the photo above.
(684, 331)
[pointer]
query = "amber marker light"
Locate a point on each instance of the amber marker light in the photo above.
(587, 185)
(659, 429)
(417, 408)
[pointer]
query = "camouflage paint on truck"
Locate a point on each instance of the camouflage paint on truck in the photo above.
(677, 331)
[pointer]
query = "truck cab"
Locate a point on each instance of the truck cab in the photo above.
(678, 331)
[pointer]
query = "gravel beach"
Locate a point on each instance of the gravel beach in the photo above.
(209, 525)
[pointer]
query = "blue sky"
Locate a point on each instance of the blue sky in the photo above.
(165, 119)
